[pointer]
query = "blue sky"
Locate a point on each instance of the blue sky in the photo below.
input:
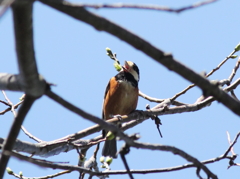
(72, 55)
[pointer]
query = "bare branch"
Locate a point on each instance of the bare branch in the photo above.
(32, 83)
(30, 135)
(146, 7)
(156, 100)
(174, 150)
(1, 101)
(9, 143)
(10, 82)
(185, 108)
(49, 164)
(142, 116)
(12, 108)
(10, 104)
(231, 145)
(53, 148)
(151, 99)
(167, 60)
(9, 109)
(128, 140)
(79, 111)
(234, 71)
(4, 5)
(47, 149)
(209, 74)
(43, 177)
(220, 64)
(146, 171)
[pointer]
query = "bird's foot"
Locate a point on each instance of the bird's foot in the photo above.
(118, 116)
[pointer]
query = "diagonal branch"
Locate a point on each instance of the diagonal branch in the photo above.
(4, 5)
(207, 75)
(231, 145)
(156, 100)
(15, 128)
(167, 60)
(232, 75)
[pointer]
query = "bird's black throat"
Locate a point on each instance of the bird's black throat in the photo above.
(125, 76)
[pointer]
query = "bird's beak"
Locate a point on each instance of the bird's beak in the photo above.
(126, 66)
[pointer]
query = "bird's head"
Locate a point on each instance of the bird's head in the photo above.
(131, 68)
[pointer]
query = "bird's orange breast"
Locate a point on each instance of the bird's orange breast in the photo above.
(121, 98)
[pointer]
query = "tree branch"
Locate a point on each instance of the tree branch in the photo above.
(124, 137)
(10, 82)
(232, 75)
(174, 150)
(140, 116)
(145, 7)
(9, 143)
(31, 82)
(176, 168)
(167, 60)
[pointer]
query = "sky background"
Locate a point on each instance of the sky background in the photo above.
(72, 55)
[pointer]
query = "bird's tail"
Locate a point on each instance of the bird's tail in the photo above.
(110, 148)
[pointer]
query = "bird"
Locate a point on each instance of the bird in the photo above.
(121, 98)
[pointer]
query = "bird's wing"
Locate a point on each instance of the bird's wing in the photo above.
(105, 94)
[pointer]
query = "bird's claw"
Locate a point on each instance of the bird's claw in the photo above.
(118, 116)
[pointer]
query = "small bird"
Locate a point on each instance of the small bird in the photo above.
(121, 97)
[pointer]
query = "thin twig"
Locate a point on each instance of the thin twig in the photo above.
(232, 144)
(209, 74)
(156, 100)
(229, 141)
(48, 164)
(151, 99)
(43, 177)
(8, 144)
(220, 64)
(126, 165)
(7, 99)
(9, 109)
(4, 102)
(15, 114)
(232, 75)
(146, 7)
(30, 135)
(10, 103)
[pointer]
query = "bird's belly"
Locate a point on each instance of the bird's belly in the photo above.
(124, 100)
